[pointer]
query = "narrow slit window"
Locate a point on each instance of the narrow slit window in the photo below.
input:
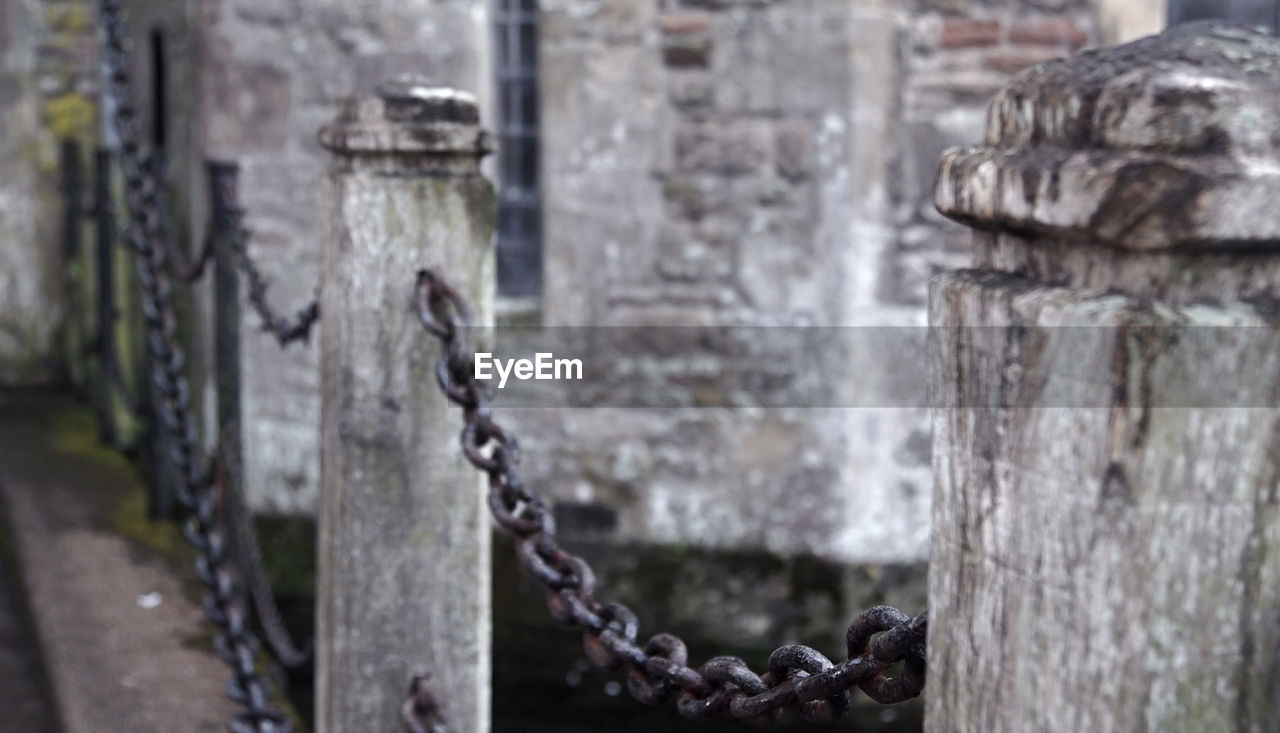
(159, 82)
(519, 200)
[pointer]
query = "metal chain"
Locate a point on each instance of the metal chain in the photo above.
(286, 330)
(421, 711)
(800, 680)
(179, 267)
(235, 641)
(244, 537)
(248, 555)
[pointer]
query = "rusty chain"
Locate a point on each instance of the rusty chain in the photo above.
(235, 641)
(800, 680)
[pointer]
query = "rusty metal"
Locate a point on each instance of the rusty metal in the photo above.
(235, 642)
(800, 682)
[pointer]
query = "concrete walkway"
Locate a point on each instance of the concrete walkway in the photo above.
(124, 647)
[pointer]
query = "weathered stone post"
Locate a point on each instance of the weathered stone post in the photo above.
(1106, 542)
(403, 532)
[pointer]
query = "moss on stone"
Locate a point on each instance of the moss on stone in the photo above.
(69, 115)
(68, 17)
(263, 664)
(289, 555)
(24, 359)
(130, 519)
(75, 433)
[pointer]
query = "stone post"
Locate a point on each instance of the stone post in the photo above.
(1106, 544)
(403, 529)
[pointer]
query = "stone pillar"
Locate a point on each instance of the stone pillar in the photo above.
(403, 531)
(1106, 544)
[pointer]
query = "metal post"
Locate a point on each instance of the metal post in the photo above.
(72, 176)
(403, 533)
(226, 285)
(163, 482)
(104, 268)
(72, 181)
(1106, 532)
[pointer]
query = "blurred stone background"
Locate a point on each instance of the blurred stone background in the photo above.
(677, 162)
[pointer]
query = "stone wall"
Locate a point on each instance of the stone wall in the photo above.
(713, 161)
(717, 191)
(704, 162)
(164, 71)
(271, 74)
(48, 76)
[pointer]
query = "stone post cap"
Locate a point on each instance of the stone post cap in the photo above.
(408, 116)
(1170, 141)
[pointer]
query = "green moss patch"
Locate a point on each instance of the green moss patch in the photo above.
(75, 433)
(68, 18)
(69, 115)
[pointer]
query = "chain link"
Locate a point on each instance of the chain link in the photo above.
(800, 680)
(235, 642)
(247, 552)
(285, 330)
(180, 268)
(421, 711)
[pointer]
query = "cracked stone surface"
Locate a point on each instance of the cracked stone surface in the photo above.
(1168, 142)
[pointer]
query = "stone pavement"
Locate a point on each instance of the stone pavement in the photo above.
(124, 646)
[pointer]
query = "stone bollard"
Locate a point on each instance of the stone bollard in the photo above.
(403, 529)
(1106, 543)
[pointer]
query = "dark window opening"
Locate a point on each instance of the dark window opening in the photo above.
(1246, 12)
(158, 85)
(519, 202)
